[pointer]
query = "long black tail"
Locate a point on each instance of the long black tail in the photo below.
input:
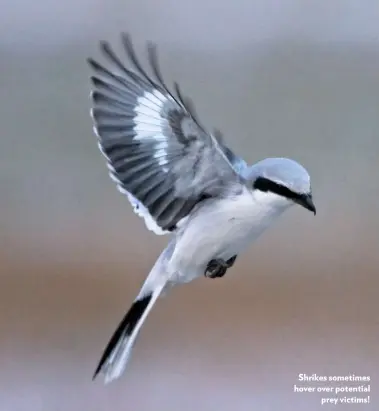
(116, 353)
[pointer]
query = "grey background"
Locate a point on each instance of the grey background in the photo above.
(279, 78)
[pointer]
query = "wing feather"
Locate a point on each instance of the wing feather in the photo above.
(157, 152)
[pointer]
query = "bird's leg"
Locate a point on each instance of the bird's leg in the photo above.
(217, 268)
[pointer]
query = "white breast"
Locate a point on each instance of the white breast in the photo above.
(221, 229)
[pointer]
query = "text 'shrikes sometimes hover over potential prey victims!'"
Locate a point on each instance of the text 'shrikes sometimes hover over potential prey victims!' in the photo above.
(335, 389)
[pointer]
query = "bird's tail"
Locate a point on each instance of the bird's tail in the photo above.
(117, 352)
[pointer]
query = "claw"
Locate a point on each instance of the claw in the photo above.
(216, 268)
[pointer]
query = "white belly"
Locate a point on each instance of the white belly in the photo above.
(219, 230)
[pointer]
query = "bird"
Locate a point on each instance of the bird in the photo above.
(182, 179)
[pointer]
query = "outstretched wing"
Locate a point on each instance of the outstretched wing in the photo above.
(157, 151)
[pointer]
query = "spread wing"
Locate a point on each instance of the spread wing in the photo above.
(158, 153)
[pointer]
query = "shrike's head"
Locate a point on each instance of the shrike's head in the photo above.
(283, 182)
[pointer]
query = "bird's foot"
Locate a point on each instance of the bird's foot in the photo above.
(217, 268)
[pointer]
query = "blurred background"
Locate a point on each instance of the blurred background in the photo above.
(295, 78)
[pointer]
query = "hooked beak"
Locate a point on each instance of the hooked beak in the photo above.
(306, 201)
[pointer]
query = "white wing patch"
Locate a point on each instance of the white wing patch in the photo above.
(148, 120)
(148, 124)
(161, 154)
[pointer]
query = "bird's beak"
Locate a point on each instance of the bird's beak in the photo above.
(306, 201)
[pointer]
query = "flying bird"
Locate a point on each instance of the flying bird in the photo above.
(182, 180)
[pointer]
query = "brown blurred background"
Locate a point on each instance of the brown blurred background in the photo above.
(280, 78)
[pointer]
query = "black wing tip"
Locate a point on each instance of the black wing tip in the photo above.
(95, 80)
(126, 38)
(138, 73)
(91, 61)
(99, 98)
(105, 46)
(94, 65)
(128, 43)
(99, 83)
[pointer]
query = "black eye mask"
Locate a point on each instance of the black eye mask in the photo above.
(267, 185)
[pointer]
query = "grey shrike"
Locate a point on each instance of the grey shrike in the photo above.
(183, 180)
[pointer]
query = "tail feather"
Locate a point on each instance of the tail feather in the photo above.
(123, 331)
(117, 352)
